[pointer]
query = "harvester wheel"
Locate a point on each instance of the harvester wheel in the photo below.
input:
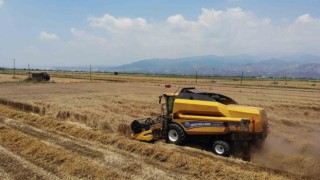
(246, 154)
(221, 148)
(176, 134)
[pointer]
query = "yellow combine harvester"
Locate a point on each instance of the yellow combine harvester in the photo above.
(203, 116)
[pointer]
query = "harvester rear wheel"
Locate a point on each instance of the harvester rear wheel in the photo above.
(176, 134)
(221, 148)
(246, 154)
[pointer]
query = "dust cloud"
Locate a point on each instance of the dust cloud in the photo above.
(298, 157)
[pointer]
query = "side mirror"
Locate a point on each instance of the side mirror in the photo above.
(163, 109)
(160, 98)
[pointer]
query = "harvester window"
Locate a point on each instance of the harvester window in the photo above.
(203, 96)
(193, 96)
(169, 104)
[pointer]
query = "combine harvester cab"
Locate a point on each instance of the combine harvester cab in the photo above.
(204, 116)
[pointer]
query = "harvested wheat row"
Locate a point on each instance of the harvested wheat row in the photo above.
(22, 106)
(54, 139)
(4, 175)
(203, 167)
(128, 164)
(58, 161)
(15, 169)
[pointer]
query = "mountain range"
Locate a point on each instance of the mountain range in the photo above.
(296, 66)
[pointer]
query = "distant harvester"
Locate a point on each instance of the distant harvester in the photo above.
(42, 76)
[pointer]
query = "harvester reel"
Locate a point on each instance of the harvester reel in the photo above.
(136, 127)
(149, 122)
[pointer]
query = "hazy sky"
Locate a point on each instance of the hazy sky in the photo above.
(101, 32)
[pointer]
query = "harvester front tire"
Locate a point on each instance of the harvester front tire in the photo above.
(221, 148)
(176, 134)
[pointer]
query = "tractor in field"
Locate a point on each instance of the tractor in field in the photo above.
(42, 76)
(202, 116)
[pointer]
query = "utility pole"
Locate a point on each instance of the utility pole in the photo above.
(241, 79)
(212, 75)
(196, 77)
(14, 68)
(90, 73)
(285, 79)
(29, 70)
(196, 68)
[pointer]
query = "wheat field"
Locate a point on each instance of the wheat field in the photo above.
(68, 129)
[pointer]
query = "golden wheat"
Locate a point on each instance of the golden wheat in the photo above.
(199, 166)
(99, 108)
